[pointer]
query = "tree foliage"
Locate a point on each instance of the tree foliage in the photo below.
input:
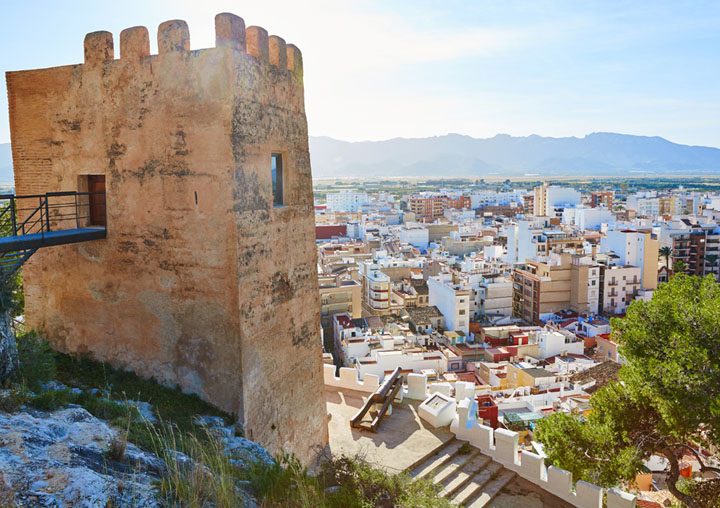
(665, 252)
(668, 400)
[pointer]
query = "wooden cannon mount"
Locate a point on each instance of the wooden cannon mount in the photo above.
(384, 396)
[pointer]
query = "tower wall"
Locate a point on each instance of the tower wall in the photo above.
(201, 282)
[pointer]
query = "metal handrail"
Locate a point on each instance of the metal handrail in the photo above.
(39, 219)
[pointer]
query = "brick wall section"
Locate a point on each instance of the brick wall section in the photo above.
(201, 282)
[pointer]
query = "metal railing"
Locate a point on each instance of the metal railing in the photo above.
(54, 211)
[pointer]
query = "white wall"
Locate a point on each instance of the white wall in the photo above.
(416, 236)
(443, 296)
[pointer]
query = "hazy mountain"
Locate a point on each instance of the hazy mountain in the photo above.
(6, 171)
(456, 155)
(600, 153)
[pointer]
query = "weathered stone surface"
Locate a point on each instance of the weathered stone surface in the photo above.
(201, 281)
(56, 459)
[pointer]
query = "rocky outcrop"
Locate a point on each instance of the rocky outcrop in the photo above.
(60, 459)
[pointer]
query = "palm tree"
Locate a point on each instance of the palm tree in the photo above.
(679, 267)
(666, 252)
(712, 260)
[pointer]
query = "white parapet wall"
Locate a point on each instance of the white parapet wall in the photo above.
(502, 446)
(349, 379)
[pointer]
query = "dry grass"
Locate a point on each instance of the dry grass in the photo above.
(207, 479)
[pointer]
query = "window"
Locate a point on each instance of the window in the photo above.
(96, 197)
(277, 179)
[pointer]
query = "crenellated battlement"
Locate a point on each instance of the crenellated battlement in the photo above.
(173, 36)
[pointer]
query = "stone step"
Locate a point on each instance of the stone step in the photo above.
(455, 464)
(475, 485)
(437, 460)
(491, 489)
(464, 475)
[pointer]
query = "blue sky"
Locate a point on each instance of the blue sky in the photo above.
(382, 69)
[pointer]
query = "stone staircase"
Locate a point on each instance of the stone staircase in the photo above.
(467, 479)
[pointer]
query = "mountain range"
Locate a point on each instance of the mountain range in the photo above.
(597, 154)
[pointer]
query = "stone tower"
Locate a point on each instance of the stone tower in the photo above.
(207, 278)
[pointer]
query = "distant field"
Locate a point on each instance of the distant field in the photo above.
(402, 186)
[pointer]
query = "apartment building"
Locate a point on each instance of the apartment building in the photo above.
(693, 244)
(541, 288)
(620, 284)
(602, 198)
(375, 289)
(526, 241)
(346, 201)
(585, 285)
(339, 296)
(562, 281)
(491, 198)
(637, 248)
(584, 218)
(462, 202)
(415, 235)
(427, 207)
(453, 301)
(551, 200)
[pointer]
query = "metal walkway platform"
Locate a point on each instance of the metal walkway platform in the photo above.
(50, 238)
(28, 223)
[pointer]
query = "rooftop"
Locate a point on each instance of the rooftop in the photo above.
(537, 372)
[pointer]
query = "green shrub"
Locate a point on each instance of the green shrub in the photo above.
(13, 399)
(37, 360)
(343, 482)
(104, 408)
(465, 449)
(284, 483)
(52, 400)
(359, 484)
(171, 404)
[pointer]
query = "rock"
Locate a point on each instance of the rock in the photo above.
(76, 391)
(242, 452)
(211, 422)
(53, 386)
(146, 411)
(58, 458)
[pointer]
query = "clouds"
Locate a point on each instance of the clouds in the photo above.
(375, 70)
